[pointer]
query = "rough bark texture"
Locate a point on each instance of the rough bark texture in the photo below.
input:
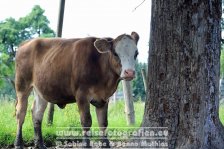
(184, 72)
(129, 105)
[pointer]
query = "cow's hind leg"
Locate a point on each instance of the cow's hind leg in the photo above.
(102, 121)
(21, 108)
(39, 106)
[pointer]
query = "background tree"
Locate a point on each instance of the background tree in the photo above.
(12, 33)
(184, 58)
(39, 27)
(10, 30)
(137, 83)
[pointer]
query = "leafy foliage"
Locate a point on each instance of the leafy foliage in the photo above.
(39, 27)
(222, 63)
(12, 33)
(222, 48)
(138, 85)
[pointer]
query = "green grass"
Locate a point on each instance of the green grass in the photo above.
(68, 117)
(221, 114)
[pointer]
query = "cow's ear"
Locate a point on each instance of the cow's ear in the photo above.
(135, 36)
(103, 46)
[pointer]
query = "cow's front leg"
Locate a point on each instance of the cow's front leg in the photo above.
(39, 106)
(102, 121)
(86, 120)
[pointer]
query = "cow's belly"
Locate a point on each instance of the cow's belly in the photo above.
(101, 93)
(54, 95)
(98, 103)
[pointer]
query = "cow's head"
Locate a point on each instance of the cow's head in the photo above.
(123, 53)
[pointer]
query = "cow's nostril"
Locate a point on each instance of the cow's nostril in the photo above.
(129, 73)
(125, 72)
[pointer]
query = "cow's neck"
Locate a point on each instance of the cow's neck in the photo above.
(112, 78)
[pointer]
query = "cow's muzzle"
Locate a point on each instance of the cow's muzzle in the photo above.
(128, 75)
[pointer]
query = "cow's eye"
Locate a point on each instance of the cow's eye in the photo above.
(136, 54)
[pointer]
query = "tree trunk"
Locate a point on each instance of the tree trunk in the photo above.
(129, 106)
(184, 64)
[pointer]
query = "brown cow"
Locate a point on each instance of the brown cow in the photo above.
(62, 71)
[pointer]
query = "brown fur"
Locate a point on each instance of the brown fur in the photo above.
(58, 68)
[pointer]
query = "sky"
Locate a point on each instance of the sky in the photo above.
(99, 18)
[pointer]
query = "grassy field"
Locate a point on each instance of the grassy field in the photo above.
(68, 117)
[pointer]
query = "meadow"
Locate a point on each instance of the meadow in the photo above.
(68, 117)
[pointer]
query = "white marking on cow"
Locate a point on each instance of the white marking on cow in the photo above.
(126, 49)
(39, 106)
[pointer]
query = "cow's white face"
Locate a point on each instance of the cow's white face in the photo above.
(124, 53)
(127, 51)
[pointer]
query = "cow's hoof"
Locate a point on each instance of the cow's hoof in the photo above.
(40, 146)
(18, 146)
(19, 143)
(106, 143)
(86, 143)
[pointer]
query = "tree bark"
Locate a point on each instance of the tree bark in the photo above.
(184, 64)
(129, 106)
